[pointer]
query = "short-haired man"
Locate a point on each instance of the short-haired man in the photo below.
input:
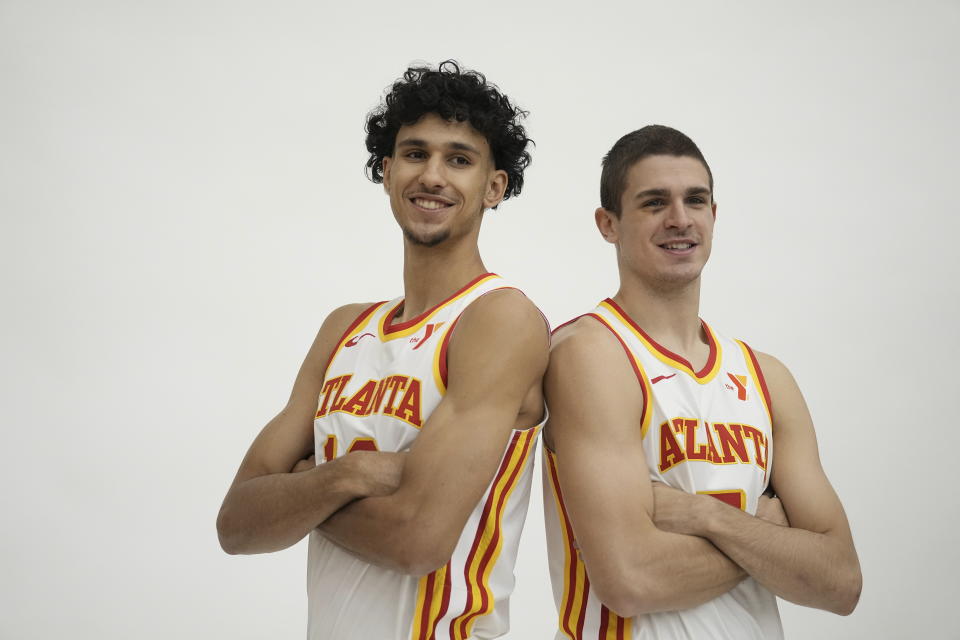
(419, 544)
(653, 415)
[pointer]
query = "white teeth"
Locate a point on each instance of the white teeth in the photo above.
(678, 245)
(423, 203)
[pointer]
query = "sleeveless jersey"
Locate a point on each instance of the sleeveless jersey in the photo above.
(383, 381)
(706, 431)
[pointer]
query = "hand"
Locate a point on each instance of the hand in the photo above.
(769, 508)
(304, 465)
(677, 511)
(379, 471)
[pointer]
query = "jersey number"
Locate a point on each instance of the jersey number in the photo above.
(733, 497)
(358, 444)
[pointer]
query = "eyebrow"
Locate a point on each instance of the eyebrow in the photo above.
(692, 191)
(457, 146)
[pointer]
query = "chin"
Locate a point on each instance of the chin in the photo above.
(426, 239)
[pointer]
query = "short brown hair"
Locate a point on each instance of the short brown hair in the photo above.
(652, 140)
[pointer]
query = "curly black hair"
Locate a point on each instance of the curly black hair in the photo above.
(453, 94)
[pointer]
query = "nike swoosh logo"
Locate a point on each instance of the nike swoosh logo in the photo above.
(352, 342)
(659, 378)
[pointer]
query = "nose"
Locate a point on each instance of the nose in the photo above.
(677, 215)
(434, 174)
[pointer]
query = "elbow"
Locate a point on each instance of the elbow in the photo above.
(229, 535)
(849, 593)
(630, 596)
(423, 556)
(422, 549)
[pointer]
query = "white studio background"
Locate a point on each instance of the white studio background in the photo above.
(183, 201)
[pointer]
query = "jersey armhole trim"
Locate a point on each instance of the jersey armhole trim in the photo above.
(645, 388)
(354, 326)
(757, 374)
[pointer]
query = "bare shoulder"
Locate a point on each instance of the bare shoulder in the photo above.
(334, 326)
(776, 374)
(505, 317)
(584, 342)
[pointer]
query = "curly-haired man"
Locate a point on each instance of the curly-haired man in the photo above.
(422, 411)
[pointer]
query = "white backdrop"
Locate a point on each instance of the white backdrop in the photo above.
(183, 201)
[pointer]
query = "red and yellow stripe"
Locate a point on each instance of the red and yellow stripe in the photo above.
(576, 584)
(390, 331)
(664, 355)
(645, 387)
(753, 366)
(489, 539)
(613, 627)
(433, 598)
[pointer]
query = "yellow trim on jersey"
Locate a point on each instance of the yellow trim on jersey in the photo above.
(437, 378)
(573, 594)
(499, 498)
(756, 379)
(670, 362)
(419, 325)
(347, 338)
(643, 379)
(419, 629)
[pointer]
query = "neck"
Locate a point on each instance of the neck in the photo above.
(433, 274)
(671, 316)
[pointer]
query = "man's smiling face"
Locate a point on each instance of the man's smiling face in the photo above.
(440, 179)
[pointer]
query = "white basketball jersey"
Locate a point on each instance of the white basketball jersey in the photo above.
(383, 381)
(706, 431)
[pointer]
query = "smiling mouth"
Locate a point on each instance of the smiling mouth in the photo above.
(678, 246)
(430, 204)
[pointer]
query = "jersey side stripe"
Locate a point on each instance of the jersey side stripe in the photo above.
(576, 585)
(645, 386)
(488, 541)
(612, 626)
(355, 327)
(432, 599)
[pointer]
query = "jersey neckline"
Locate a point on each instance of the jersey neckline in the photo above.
(710, 367)
(389, 329)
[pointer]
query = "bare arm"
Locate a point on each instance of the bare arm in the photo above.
(268, 507)
(595, 414)
(813, 561)
(495, 362)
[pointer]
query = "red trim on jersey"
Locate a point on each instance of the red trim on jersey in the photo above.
(389, 327)
(481, 527)
(631, 359)
(425, 631)
(442, 364)
(604, 622)
(353, 325)
(574, 560)
(763, 382)
(554, 332)
(711, 343)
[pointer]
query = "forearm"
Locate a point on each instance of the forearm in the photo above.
(660, 572)
(812, 569)
(272, 512)
(381, 531)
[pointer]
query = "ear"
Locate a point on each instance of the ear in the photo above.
(496, 187)
(714, 207)
(608, 224)
(387, 161)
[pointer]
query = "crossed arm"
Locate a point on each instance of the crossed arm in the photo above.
(813, 561)
(495, 362)
(681, 550)
(268, 507)
(401, 510)
(594, 428)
